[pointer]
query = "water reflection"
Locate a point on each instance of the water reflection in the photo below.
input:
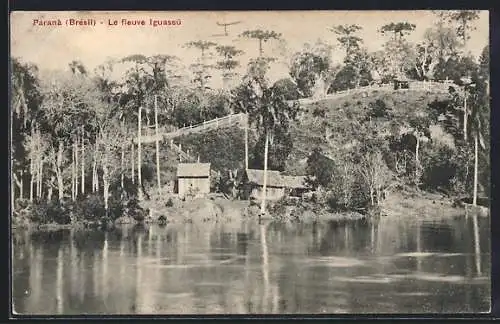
(384, 266)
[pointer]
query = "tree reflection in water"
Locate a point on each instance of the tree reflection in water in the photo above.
(387, 265)
(265, 267)
(477, 245)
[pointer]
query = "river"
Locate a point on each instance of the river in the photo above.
(389, 266)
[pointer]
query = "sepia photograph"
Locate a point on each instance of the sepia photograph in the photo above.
(249, 162)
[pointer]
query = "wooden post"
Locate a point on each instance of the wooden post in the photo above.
(157, 145)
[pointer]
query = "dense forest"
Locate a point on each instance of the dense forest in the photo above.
(74, 158)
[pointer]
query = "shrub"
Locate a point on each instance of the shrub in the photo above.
(443, 169)
(139, 216)
(135, 210)
(378, 109)
(288, 88)
(169, 203)
(333, 201)
(91, 208)
(319, 112)
(116, 208)
(52, 212)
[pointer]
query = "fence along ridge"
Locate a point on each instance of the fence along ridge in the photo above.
(431, 86)
(187, 129)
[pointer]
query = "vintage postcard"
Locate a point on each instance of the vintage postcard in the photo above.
(319, 162)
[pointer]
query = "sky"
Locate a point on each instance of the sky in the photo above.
(53, 47)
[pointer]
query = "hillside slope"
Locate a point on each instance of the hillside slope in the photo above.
(333, 123)
(328, 124)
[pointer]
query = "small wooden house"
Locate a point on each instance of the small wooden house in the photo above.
(295, 186)
(277, 185)
(401, 82)
(193, 179)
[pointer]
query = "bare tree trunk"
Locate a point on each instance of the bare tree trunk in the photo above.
(246, 142)
(40, 178)
(94, 170)
(122, 158)
(21, 185)
(417, 148)
(73, 173)
(358, 77)
(476, 148)
(83, 164)
(417, 161)
(105, 180)
(157, 146)
(465, 117)
(38, 164)
(12, 194)
(60, 182)
(346, 186)
(264, 186)
(139, 159)
(77, 165)
(50, 190)
(18, 183)
(122, 166)
(133, 162)
(32, 179)
(97, 180)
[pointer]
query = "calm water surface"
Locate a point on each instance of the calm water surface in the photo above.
(392, 266)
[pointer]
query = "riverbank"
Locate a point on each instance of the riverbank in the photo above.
(425, 205)
(217, 209)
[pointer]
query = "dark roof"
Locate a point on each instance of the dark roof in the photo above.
(402, 78)
(257, 177)
(193, 170)
(295, 182)
(275, 179)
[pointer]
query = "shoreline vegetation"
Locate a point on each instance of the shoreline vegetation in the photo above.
(397, 132)
(411, 204)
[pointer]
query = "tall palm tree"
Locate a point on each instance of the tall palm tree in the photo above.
(266, 106)
(479, 116)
